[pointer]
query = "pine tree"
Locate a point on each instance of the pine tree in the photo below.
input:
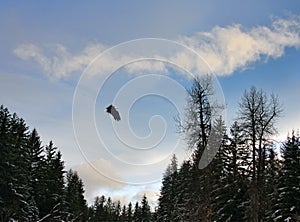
(34, 169)
(238, 173)
(6, 173)
(99, 209)
(76, 207)
(109, 209)
(288, 205)
(20, 183)
(229, 186)
(271, 183)
(31, 177)
(184, 197)
(137, 213)
(53, 184)
(16, 172)
(117, 211)
(129, 214)
(145, 210)
(17, 169)
(221, 195)
(166, 211)
(123, 216)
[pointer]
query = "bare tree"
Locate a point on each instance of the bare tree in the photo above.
(196, 128)
(257, 116)
(197, 123)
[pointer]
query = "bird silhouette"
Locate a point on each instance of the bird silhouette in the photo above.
(113, 111)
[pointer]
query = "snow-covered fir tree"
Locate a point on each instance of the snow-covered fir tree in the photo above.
(287, 207)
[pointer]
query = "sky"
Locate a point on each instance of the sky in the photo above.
(63, 62)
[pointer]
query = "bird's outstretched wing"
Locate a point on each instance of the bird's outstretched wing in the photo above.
(113, 111)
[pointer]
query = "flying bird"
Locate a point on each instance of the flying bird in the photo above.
(113, 111)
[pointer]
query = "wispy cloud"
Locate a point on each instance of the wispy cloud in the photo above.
(224, 49)
(32, 51)
(227, 49)
(56, 61)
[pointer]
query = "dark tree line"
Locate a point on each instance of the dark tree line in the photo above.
(34, 185)
(249, 179)
(104, 209)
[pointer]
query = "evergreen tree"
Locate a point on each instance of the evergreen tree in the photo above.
(7, 195)
(35, 172)
(183, 200)
(166, 211)
(145, 210)
(221, 199)
(129, 213)
(123, 216)
(99, 209)
(229, 185)
(229, 188)
(288, 205)
(137, 213)
(237, 181)
(76, 207)
(31, 177)
(109, 210)
(53, 184)
(271, 183)
(19, 162)
(14, 184)
(117, 211)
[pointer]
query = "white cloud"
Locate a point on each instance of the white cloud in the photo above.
(56, 61)
(224, 49)
(146, 66)
(97, 184)
(94, 180)
(31, 51)
(227, 49)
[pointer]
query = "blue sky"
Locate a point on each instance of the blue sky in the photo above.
(56, 74)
